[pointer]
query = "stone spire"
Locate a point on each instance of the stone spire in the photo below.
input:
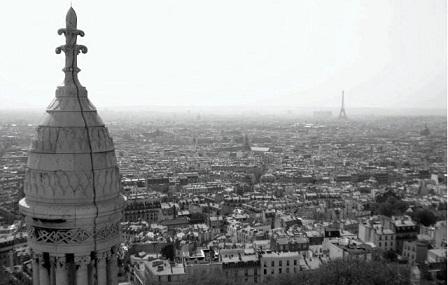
(72, 203)
(71, 48)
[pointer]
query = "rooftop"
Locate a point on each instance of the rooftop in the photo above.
(163, 267)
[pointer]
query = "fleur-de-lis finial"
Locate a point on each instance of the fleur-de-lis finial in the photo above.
(71, 19)
(71, 49)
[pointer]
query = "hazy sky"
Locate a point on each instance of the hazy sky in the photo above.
(383, 53)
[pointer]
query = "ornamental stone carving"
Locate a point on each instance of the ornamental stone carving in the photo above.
(71, 140)
(59, 236)
(36, 256)
(71, 185)
(72, 236)
(58, 183)
(39, 257)
(103, 256)
(62, 102)
(42, 260)
(60, 262)
(82, 260)
(108, 231)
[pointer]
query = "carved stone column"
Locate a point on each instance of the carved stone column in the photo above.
(35, 264)
(102, 268)
(112, 270)
(44, 273)
(61, 270)
(82, 274)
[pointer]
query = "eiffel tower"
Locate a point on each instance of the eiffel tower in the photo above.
(342, 114)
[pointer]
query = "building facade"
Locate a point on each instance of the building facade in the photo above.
(279, 263)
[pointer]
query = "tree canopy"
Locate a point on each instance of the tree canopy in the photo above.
(425, 217)
(389, 204)
(168, 251)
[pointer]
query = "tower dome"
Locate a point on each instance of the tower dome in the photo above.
(72, 203)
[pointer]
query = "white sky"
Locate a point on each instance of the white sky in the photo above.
(383, 53)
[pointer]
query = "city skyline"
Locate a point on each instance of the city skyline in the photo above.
(385, 55)
(205, 192)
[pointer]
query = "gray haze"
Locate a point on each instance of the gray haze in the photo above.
(254, 54)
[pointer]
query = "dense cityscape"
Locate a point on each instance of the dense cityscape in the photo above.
(197, 195)
(249, 199)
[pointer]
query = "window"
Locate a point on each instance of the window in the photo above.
(272, 263)
(265, 272)
(280, 263)
(287, 270)
(379, 244)
(280, 271)
(265, 264)
(295, 262)
(287, 262)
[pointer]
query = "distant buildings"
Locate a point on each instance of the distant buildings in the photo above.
(322, 115)
(346, 248)
(374, 232)
(290, 198)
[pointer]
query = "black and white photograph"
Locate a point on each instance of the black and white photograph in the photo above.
(206, 142)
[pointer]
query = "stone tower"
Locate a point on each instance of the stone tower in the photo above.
(72, 203)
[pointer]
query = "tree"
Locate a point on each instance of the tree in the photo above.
(383, 197)
(391, 206)
(168, 251)
(390, 255)
(442, 207)
(425, 217)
